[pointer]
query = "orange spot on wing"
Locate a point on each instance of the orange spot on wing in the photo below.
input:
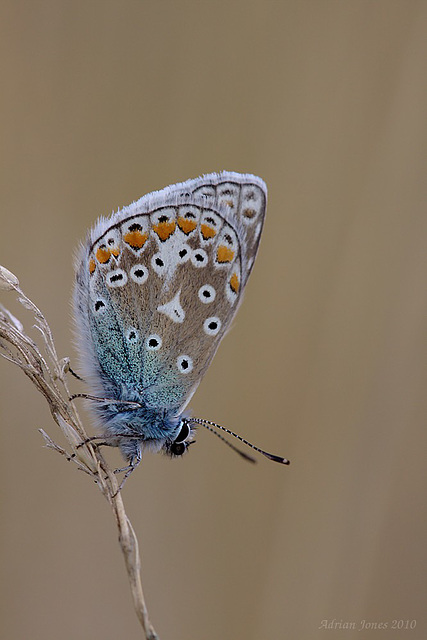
(186, 225)
(224, 254)
(115, 252)
(92, 266)
(103, 254)
(207, 231)
(164, 229)
(135, 239)
(234, 283)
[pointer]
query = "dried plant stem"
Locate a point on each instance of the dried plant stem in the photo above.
(129, 545)
(48, 374)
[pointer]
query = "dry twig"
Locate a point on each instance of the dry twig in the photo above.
(48, 373)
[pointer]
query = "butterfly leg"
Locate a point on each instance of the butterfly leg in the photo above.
(75, 375)
(92, 440)
(67, 368)
(135, 461)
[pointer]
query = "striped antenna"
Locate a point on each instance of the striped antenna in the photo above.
(208, 425)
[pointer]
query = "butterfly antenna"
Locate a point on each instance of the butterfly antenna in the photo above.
(208, 425)
(230, 444)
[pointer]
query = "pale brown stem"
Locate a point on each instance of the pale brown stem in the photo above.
(46, 372)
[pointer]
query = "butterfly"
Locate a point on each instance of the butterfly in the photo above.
(157, 286)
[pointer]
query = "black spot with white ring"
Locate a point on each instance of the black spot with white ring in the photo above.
(199, 258)
(153, 342)
(116, 278)
(206, 294)
(184, 364)
(139, 273)
(158, 264)
(212, 325)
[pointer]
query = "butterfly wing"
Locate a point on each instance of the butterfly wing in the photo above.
(242, 198)
(159, 283)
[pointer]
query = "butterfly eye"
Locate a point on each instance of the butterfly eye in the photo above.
(184, 364)
(153, 342)
(207, 294)
(177, 448)
(211, 326)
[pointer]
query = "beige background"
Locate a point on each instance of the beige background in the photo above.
(102, 101)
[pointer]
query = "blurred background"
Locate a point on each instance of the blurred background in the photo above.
(103, 101)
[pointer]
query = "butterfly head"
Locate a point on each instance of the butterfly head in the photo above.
(183, 437)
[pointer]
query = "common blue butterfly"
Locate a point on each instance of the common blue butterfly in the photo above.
(157, 286)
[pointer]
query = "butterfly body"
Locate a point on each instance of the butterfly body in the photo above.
(157, 286)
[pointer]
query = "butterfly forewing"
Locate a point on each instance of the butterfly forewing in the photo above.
(159, 283)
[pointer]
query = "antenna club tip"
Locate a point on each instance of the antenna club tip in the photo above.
(282, 461)
(278, 459)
